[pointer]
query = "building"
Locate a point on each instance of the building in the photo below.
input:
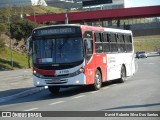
(65, 4)
(78, 4)
(19, 3)
(114, 5)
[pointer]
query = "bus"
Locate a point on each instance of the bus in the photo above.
(77, 55)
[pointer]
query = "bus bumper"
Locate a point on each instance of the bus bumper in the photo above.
(71, 81)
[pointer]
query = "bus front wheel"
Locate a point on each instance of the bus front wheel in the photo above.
(97, 80)
(54, 89)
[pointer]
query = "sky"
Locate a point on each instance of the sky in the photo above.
(138, 3)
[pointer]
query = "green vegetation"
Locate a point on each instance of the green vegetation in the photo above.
(3, 28)
(19, 60)
(14, 11)
(22, 29)
(12, 23)
(148, 45)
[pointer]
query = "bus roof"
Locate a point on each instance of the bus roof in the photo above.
(86, 27)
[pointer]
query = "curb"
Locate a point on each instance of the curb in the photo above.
(22, 94)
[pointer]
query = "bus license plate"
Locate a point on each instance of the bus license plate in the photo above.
(53, 81)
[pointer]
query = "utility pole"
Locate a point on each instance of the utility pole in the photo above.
(66, 18)
(9, 30)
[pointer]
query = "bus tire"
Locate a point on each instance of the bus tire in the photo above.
(123, 74)
(97, 80)
(54, 89)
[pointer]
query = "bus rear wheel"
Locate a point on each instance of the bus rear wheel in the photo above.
(123, 74)
(97, 80)
(54, 89)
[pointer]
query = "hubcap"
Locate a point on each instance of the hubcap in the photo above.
(98, 80)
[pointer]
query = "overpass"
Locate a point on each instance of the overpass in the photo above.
(89, 16)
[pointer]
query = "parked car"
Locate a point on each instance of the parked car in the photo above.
(141, 54)
(158, 51)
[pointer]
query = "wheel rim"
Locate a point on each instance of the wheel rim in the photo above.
(98, 80)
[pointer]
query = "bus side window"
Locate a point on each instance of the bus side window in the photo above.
(98, 42)
(128, 43)
(120, 43)
(113, 43)
(106, 42)
(88, 49)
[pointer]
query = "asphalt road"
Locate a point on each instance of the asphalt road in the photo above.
(15, 79)
(139, 93)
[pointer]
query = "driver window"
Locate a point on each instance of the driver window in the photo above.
(88, 49)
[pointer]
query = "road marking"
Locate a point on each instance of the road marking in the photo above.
(115, 84)
(56, 102)
(151, 63)
(105, 88)
(94, 92)
(31, 109)
(78, 96)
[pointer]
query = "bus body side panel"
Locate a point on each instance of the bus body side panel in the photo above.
(90, 71)
(96, 62)
(113, 66)
(115, 62)
(101, 63)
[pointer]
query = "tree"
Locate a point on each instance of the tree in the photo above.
(22, 29)
(4, 14)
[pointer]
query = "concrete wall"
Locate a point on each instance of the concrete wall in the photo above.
(142, 29)
(144, 32)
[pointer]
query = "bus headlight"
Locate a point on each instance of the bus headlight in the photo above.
(34, 72)
(37, 74)
(79, 71)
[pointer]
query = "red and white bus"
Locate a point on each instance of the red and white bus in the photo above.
(75, 55)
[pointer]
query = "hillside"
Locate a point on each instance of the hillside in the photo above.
(19, 57)
(41, 10)
(19, 60)
(34, 10)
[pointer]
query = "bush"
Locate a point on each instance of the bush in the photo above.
(22, 29)
(2, 42)
(3, 28)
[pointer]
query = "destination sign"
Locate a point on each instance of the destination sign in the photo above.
(56, 31)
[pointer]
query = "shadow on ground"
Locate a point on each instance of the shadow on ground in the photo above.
(44, 94)
(133, 106)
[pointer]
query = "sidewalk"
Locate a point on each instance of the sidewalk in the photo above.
(16, 83)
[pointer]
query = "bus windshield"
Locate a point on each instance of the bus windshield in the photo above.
(56, 51)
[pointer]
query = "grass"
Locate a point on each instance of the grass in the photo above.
(148, 45)
(19, 60)
(147, 37)
(35, 9)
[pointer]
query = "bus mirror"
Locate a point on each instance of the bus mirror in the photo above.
(28, 45)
